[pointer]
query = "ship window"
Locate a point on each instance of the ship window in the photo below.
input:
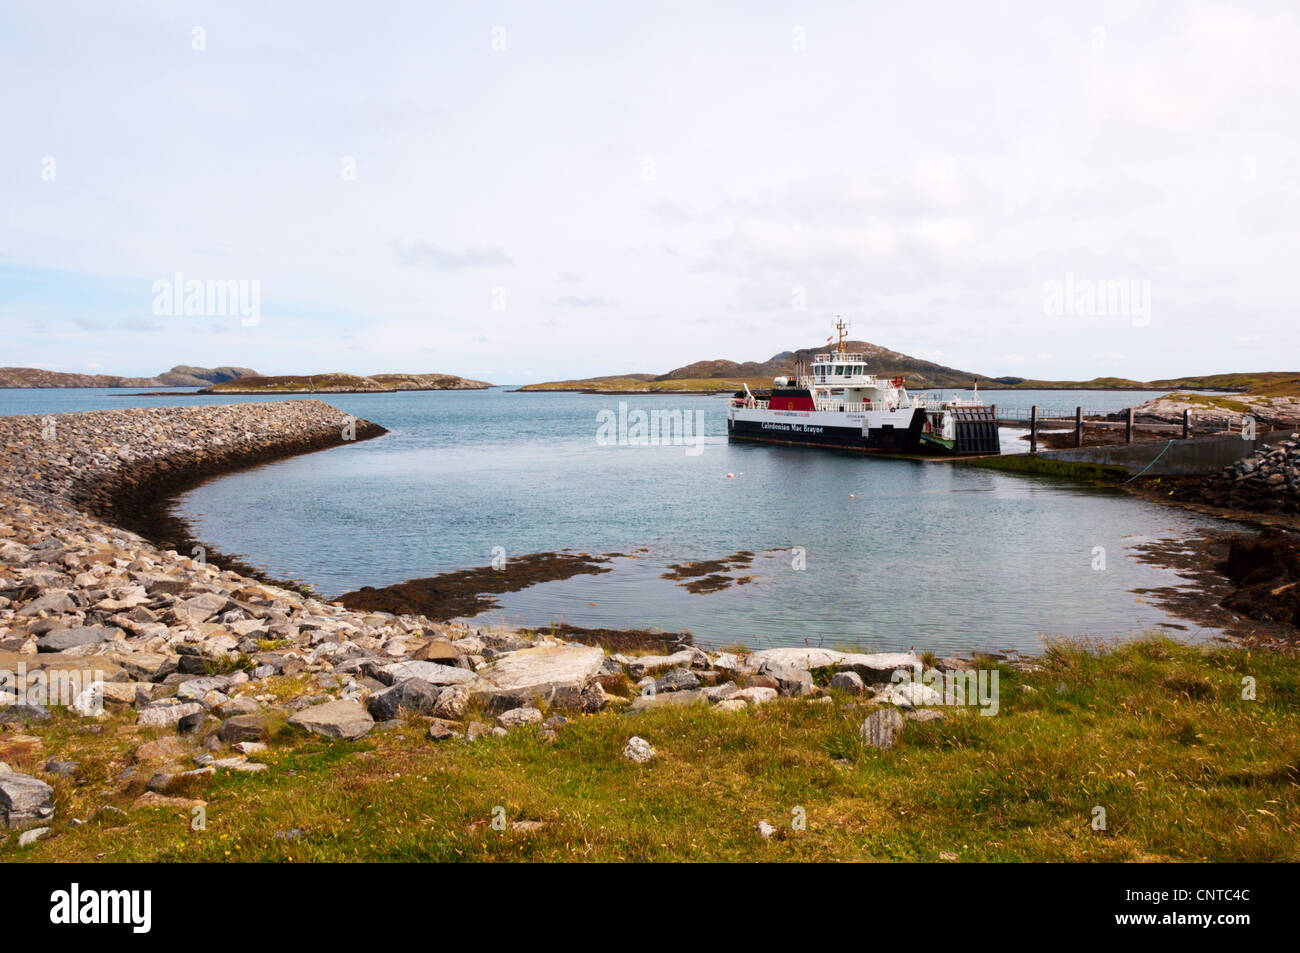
(839, 370)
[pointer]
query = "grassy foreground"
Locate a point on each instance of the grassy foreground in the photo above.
(1156, 733)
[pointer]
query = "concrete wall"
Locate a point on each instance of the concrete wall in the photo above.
(1198, 456)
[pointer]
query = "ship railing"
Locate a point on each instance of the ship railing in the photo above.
(1025, 414)
(936, 405)
(848, 358)
(835, 406)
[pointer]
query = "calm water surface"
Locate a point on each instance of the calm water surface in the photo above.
(897, 553)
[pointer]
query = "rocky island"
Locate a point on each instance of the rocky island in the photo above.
(344, 384)
(241, 380)
(1271, 411)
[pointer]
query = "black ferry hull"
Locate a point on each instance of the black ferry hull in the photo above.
(888, 433)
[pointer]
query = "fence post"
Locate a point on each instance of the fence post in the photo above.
(1128, 427)
(1033, 429)
(1078, 426)
(1187, 422)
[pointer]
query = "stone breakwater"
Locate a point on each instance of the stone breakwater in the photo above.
(1267, 481)
(123, 465)
(1274, 469)
(212, 666)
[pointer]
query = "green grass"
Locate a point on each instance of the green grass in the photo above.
(1211, 402)
(1155, 732)
(228, 665)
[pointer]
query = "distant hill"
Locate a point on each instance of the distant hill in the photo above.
(724, 375)
(882, 362)
(1262, 383)
(344, 384)
(185, 376)
(180, 376)
(241, 380)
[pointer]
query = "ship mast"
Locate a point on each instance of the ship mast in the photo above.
(843, 329)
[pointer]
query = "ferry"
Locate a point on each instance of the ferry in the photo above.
(839, 403)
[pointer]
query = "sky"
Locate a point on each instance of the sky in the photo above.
(535, 191)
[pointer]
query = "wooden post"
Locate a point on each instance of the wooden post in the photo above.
(1128, 427)
(1187, 422)
(1033, 429)
(1078, 426)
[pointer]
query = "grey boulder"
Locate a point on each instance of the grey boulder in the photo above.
(56, 600)
(452, 703)
(557, 674)
(790, 679)
(519, 716)
(677, 680)
(638, 750)
(881, 728)
(65, 639)
(336, 719)
(848, 682)
(24, 801)
(430, 672)
(239, 728)
(409, 695)
(162, 716)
